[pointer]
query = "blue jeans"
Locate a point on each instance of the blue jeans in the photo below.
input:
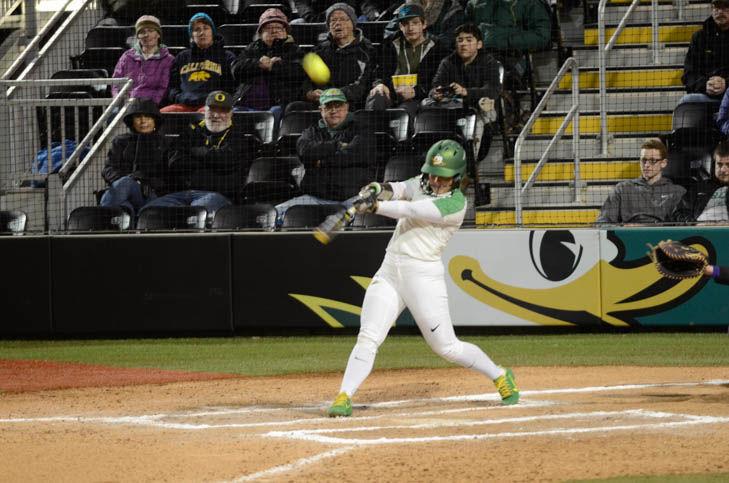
(210, 200)
(698, 97)
(281, 208)
(127, 193)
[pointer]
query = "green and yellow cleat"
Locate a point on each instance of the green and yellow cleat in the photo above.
(506, 386)
(341, 407)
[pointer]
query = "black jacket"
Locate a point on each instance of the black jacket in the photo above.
(196, 73)
(708, 55)
(212, 161)
(433, 52)
(284, 79)
(144, 156)
(695, 200)
(352, 67)
(336, 161)
(480, 77)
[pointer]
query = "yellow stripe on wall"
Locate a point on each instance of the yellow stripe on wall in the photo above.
(627, 78)
(538, 217)
(616, 123)
(643, 35)
(589, 171)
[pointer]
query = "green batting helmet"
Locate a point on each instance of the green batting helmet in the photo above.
(445, 158)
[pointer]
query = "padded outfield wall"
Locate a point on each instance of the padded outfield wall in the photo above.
(232, 282)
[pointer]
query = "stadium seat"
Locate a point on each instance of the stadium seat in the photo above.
(372, 220)
(238, 36)
(98, 58)
(174, 122)
(374, 31)
(402, 166)
(166, 218)
(697, 115)
(308, 33)
(110, 37)
(236, 217)
(259, 124)
(98, 218)
(434, 124)
(273, 180)
(101, 90)
(292, 125)
(390, 128)
(12, 222)
(307, 216)
(176, 36)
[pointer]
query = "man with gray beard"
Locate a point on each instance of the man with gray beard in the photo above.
(212, 160)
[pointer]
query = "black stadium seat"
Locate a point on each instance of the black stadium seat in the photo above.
(237, 36)
(98, 218)
(110, 37)
(374, 31)
(402, 166)
(98, 58)
(172, 218)
(292, 125)
(273, 180)
(372, 220)
(12, 222)
(101, 90)
(236, 217)
(308, 33)
(174, 122)
(176, 36)
(300, 217)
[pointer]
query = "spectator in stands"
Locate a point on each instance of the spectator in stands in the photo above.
(411, 51)
(136, 167)
(651, 198)
(512, 28)
(147, 63)
(708, 201)
(706, 66)
(335, 154)
(469, 77)
(212, 160)
(441, 16)
(269, 69)
(201, 69)
(350, 57)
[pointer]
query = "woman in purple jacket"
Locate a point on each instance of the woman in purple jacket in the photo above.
(148, 63)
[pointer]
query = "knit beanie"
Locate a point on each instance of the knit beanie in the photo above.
(148, 21)
(272, 15)
(344, 7)
(200, 17)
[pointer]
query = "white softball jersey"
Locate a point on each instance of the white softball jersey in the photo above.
(425, 222)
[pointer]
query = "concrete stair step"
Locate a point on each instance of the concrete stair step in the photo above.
(616, 101)
(560, 170)
(547, 216)
(617, 123)
(645, 77)
(642, 13)
(667, 33)
(541, 195)
(630, 57)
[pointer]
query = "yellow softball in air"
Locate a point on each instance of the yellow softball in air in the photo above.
(316, 69)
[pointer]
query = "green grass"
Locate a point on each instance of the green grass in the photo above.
(257, 356)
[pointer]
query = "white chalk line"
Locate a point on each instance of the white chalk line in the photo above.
(158, 420)
(316, 435)
(276, 470)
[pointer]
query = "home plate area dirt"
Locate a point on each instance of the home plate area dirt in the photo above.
(410, 425)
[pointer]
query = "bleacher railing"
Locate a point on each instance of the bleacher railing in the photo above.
(573, 116)
(26, 137)
(604, 48)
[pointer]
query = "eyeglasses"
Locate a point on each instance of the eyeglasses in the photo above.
(650, 161)
(333, 106)
(333, 19)
(271, 29)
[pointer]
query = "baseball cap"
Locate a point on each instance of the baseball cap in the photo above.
(332, 95)
(410, 10)
(219, 99)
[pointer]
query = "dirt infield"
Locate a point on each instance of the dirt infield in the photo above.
(415, 425)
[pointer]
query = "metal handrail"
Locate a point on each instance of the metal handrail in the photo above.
(33, 45)
(6, 7)
(573, 115)
(604, 48)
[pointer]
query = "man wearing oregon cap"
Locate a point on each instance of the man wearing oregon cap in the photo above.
(706, 66)
(429, 209)
(336, 153)
(212, 159)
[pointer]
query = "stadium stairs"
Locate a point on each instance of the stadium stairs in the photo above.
(641, 97)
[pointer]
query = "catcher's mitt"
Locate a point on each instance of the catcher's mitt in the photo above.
(675, 260)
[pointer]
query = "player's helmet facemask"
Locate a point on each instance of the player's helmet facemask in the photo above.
(444, 158)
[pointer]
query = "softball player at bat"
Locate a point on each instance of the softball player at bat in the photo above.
(429, 209)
